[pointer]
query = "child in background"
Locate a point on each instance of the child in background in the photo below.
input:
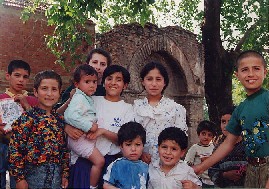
(229, 172)
(250, 118)
(111, 113)
(82, 115)
(202, 150)
(18, 73)
(128, 172)
(171, 171)
(38, 153)
(156, 112)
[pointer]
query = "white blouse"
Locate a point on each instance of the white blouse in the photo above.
(167, 113)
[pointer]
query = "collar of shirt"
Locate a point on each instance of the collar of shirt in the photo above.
(9, 93)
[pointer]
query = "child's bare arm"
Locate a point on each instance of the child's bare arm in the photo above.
(223, 150)
(65, 105)
(267, 184)
(109, 186)
(187, 184)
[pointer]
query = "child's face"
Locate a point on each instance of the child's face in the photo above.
(205, 137)
(223, 123)
(251, 73)
(132, 150)
(48, 94)
(18, 80)
(114, 85)
(153, 83)
(87, 84)
(170, 153)
(99, 63)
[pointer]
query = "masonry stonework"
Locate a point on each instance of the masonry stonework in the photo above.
(132, 46)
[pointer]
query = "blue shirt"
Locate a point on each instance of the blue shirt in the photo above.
(126, 174)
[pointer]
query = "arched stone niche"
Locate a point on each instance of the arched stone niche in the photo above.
(133, 46)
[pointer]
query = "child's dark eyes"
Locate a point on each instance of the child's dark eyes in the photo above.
(44, 88)
(138, 144)
(103, 64)
(223, 121)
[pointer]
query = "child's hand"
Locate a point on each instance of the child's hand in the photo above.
(187, 184)
(22, 184)
(146, 157)
(64, 182)
(73, 132)
(22, 100)
(97, 133)
(94, 127)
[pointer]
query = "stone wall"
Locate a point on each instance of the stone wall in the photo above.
(132, 46)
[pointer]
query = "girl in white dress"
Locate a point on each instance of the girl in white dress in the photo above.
(157, 112)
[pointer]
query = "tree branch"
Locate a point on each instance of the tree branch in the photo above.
(243, 39)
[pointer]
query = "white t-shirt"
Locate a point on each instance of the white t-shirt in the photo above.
(167, 113)
(111, 116)
(195, 155)
(181, 171)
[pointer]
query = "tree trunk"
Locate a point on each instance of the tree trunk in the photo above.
(218, 63)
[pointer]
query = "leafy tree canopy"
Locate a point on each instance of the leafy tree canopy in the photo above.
(244, 23)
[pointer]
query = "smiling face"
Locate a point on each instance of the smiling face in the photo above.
(87, 84)
(154, 83)
(48, 94)
(251, 73)
(170, 153)
(114, 85)
(132, 149)
(18, 80)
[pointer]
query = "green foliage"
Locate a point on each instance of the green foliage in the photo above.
(69, 19)
(244, 23)
(117, 12)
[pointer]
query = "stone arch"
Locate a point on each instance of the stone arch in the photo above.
(173, 58)
(132, 46)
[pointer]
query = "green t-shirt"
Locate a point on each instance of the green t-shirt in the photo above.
(251, 118)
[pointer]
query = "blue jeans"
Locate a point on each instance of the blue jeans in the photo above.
(48, 175)
(4, 167)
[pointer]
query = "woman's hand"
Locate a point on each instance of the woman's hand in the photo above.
(73, 132)
(146, 157)
(22, 184)
(232, 175)
(64, 182)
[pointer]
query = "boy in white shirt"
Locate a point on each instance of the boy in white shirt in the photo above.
(171, 171)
